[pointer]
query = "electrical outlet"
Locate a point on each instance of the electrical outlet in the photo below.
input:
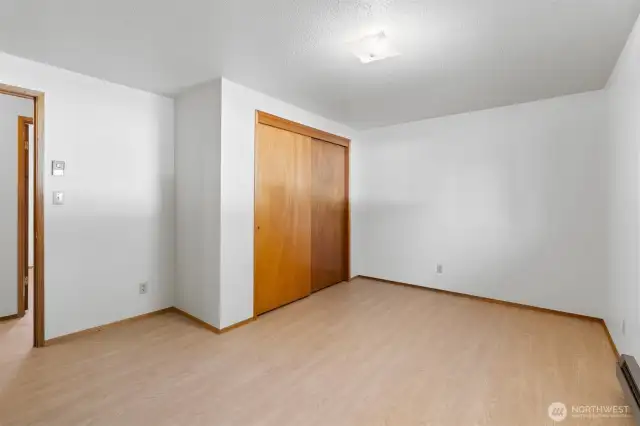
(439, 268)
(143, 288)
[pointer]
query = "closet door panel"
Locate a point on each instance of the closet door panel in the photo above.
(329, 215)
(282, 218)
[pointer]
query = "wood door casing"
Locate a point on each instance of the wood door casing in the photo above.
(38, 206)
(282, 246)
(329, 214)
(23, 213)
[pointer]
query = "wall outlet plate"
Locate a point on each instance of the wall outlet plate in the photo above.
(439, 268)
(144, 287)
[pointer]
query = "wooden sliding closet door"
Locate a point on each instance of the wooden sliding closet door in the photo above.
(282, 218)
(329, 214)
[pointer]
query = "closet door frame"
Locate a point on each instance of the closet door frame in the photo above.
(267, 119)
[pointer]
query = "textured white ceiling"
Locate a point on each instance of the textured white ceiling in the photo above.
(457, 55)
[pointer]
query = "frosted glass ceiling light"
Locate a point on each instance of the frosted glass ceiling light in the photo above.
(373, 48)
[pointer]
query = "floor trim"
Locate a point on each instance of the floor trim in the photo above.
(209, 326)
(504, 302)
(238, 324)
(611, 342)
(216, 330)
(9, 317)
(485, 299)
(173, 309)
(66, 337)
(196, 319)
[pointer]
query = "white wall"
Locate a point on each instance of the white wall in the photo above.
(11, 108)
(116, 229)
(623, 95)
(239, 106)
(197, 162)
(512, 202)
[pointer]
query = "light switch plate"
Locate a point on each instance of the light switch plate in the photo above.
(58, 198)
(57, 168)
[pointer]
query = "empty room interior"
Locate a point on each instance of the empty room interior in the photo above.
(339, 212)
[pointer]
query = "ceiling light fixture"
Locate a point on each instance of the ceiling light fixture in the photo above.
(374, 48)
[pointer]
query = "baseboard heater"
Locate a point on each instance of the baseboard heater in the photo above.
(628, 373)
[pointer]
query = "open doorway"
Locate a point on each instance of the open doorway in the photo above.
(16, 117)
(21, 220)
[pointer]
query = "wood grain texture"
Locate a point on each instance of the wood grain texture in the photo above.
(614, 348)
(282, 242)
(78, 334)
(502, 302)
(16, 336)
(196, 320)
(329, 215)
(23, 211)
(484, 299)
(237, 325)
(39, 169)
(291, 126)
(347, 185)
(362, 353)
(209, 326)
(38, 219)
(20, 92)
(5, 90)
(9, 317)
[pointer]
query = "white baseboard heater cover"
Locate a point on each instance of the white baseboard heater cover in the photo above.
(628, 373)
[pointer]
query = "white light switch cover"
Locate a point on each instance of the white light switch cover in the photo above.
(58, 198)
(57, 168)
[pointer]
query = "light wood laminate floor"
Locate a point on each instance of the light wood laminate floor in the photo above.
(359, 353)
(16, 337)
